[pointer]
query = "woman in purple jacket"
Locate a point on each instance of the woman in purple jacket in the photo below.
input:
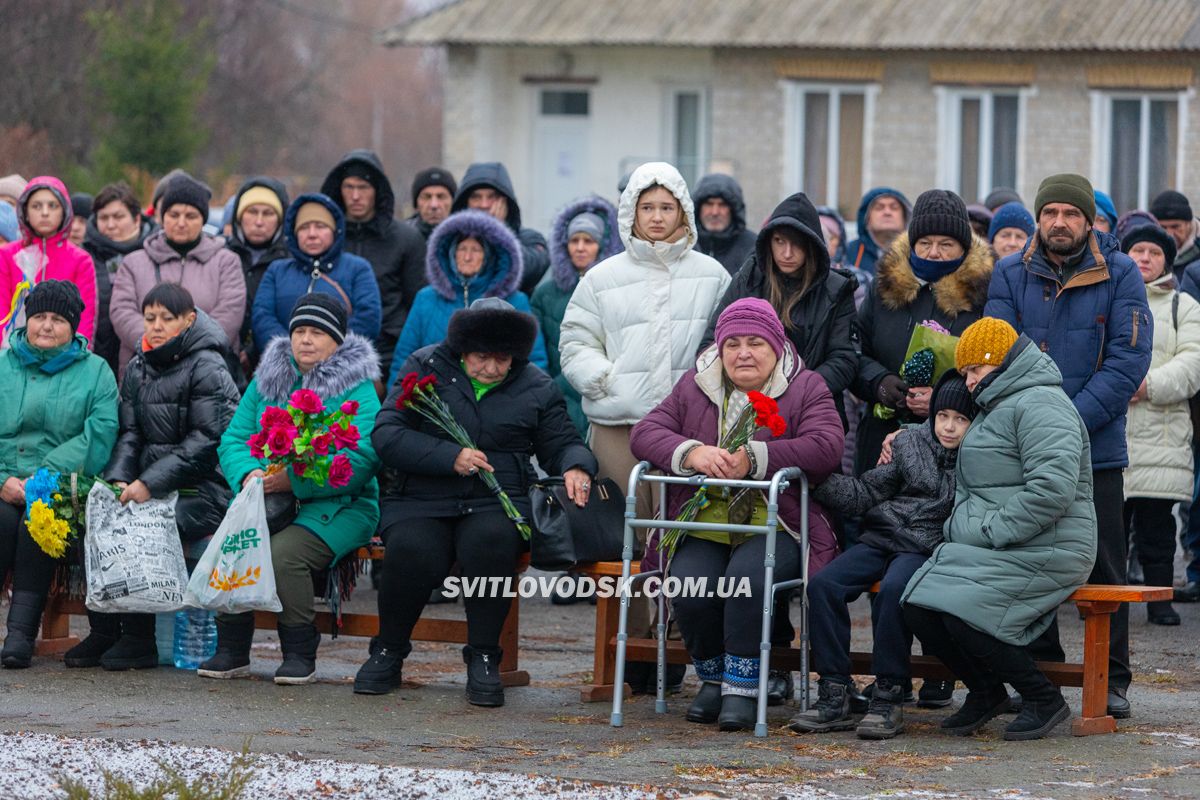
(751, 353)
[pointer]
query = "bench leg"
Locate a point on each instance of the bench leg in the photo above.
(510, 643)
(56, 637)
(604, 657)
(1095, 719)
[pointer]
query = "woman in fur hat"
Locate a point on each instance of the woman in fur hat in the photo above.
(438, 512)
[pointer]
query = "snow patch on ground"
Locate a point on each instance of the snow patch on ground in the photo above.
(32, 763)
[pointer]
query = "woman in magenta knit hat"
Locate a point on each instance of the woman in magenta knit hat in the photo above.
(751, 353)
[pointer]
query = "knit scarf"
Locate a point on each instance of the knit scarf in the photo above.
(933, 271)
(51, 361)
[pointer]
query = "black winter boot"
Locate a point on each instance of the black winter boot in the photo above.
(136, 649)
(781, 687)
(831, 712)
(885, 714)
(707, 705)
(1038, 718)
(299, 646)
(232, 659)
(24, 617)
(979, 707)
(105, 630)
(738, 713)
(381, 673)
(483, 676)
(1161, 612)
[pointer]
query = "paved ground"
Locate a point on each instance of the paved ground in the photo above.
(545, 730)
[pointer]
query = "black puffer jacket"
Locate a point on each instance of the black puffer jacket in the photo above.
(395, 250)
(735, 244)
(107, 256)
(535, 255)
(522, 417)
(822, 323)
(256, 260)
(176, 401)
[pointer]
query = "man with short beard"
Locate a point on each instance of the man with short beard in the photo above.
(1080, 299)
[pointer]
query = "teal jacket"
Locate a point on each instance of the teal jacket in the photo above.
(58, 409)
(549, 304)
(344, 518)
(1022, 536)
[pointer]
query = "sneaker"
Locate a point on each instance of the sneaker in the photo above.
(976, 711)
(935, 694)
(830, 713)
(1037, 719)
(885, 715)
(707, 705)
(860, 700)
(781, 687)
(380, 674)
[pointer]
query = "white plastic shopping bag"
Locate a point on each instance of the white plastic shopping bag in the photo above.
(235, 573)
(133, 557)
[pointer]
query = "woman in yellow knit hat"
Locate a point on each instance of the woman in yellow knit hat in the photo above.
(1021, 539)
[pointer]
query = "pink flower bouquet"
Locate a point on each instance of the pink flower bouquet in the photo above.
(307, 437)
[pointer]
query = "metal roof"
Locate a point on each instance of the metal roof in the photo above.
(954, 25)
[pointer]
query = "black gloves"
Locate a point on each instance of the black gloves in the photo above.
(892, 391)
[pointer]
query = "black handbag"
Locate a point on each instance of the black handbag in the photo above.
(564, 534)
(282, 509)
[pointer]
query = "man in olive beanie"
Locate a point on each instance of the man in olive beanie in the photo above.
(1074, 293)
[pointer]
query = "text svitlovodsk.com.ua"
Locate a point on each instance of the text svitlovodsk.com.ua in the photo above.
(604, 586)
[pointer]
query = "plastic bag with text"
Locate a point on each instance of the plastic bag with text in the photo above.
(235, 573)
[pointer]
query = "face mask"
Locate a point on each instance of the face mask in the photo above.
(932, 271)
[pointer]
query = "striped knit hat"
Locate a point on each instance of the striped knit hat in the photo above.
(322, 311)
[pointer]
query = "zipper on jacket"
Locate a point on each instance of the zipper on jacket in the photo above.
(1100, 321)
(1133, 339)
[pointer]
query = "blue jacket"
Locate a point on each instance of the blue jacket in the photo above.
(446, 292)
(1097, 328)
(289, 279)
(863, 252)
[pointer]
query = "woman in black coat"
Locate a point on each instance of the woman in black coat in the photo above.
(438, 512)
(790, 269)
(177, 398)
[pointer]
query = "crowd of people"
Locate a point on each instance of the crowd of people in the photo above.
(143, 346)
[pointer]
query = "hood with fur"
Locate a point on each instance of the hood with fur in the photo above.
(324, 261)
(564, 272)
(353, 362)
(502, 266)
(60, 191)
(962, 290)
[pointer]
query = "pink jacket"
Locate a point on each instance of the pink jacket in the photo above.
(52, 258)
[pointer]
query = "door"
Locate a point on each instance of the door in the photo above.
(560, 153)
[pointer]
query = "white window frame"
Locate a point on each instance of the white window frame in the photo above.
(670, 141)
(793, 138)
(1102, 101)
(949, 104)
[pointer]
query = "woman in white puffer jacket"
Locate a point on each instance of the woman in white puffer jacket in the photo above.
(1159, 426)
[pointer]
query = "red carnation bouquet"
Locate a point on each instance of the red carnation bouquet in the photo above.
(760, 412)
(418, 394)
(307, 437)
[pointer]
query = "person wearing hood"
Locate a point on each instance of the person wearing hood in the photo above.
(721, 212)
(1010, 229)
(486, 187)
(999, 196)
(1174, 214)
(584, 234)
(471, 255)
(432, 195)
(257, 236)
(10, 230)
(395, 251)
(882, 216)
(632, 328)
(11, 189)
(833, 228)
(939, 270)
(179, 253)
(1159, 431)
(116, 229)
(44, 253)
(58, 410)
(1106, 213)
(177, 397)
(81, 206)
(1020, 540)
(790, 269)
(1083, 302)
(315, 233)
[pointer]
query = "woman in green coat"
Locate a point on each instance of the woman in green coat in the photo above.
(1021, 539)
(341, 367)
(58, 409)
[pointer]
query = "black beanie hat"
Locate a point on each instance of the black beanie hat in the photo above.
(938, 212)
(1001, 195)
(59, 297)
(434, 176)
(188, 191)
(81, 205)
(1156, 235)
(322, 311)
(1171, 205)
(951, 393)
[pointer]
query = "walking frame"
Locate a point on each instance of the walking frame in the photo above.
(779, 482)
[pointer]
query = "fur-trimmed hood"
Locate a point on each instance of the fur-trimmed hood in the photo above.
(963, 290)
(564, 272)
(502, 267)
(353, 362)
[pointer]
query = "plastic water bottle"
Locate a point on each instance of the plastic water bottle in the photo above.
(164, 637)
(195, 637)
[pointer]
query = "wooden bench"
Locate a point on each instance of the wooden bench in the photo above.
(1097, 604)
(56, 625)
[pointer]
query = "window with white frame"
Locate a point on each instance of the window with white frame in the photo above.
(687, 130)
(828, 136)
(979, 145)
(1137, 145)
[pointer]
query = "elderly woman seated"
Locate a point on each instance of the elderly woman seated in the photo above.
(438, 510)
(751, 354)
